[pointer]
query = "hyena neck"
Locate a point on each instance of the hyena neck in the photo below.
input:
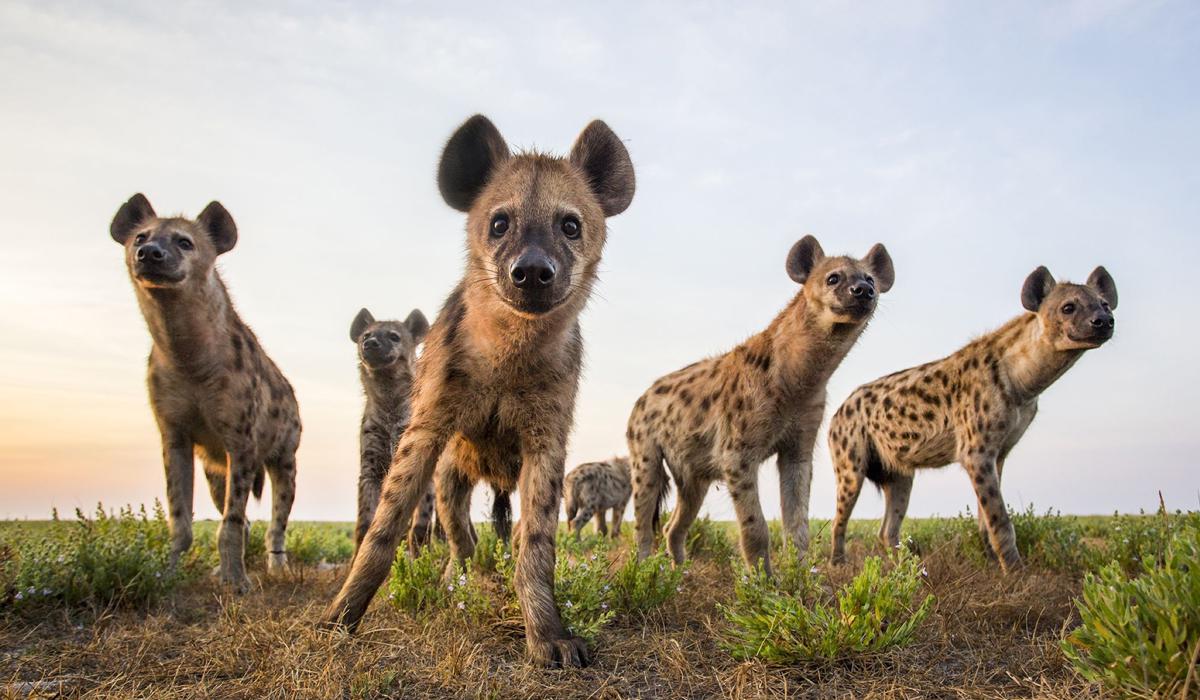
(1030, 360)
(386, 388)
(188, 325)
(804, 348)
(505, 338)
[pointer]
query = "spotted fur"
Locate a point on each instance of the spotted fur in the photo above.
(594, 487)
(720, 418)
(213, 390)
(971, 407)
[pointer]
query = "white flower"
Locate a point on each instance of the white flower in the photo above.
(924, 571)
(32, 590)
(450, 588)
(61, 559)
(507, 556)
(18, 596)
(462, 605)
(46, 591)
(679, 589)
(605, 588)
(604, 606)
(814, 570)
(462, 579)
(568, 604)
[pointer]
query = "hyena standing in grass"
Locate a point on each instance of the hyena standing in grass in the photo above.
(213, 390)
(594, 487)
(387, 351)
(720, 418)
(495, 388)
(971, 407)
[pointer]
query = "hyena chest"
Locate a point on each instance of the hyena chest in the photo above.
(497, 447)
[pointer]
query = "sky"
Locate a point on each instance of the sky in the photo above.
(976, 140)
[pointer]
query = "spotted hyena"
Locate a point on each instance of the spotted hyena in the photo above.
(594, 487)
(971, 407)
(720, 418)
(495, 387)
(387, 351)
(213, 390)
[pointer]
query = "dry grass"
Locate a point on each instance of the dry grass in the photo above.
(989, 636)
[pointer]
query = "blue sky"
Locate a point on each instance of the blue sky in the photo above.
(976, 141)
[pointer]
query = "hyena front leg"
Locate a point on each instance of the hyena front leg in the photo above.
(180, 466)
(794, 461)
(231, 537)
(649, 483)
(742, 478)
(283, 493)
(583, 515)
(548, 642)
(895, 505)
(983, 530)
(601, 526)
(986, 480)
(375, 456)
(691, 497)
(454, 512)
(618, 517)
(404, 485)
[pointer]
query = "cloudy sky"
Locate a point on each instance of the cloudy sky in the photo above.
(977, 141)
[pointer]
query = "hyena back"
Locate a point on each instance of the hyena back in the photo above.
(495, 388)
(594, 487)
(720, 418)
(213, 390)
(971, 407)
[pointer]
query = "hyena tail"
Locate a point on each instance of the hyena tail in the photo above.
(664, 490)
(877, 474)
(502, 514)
(257, 488)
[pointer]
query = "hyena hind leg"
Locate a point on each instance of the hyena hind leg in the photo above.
(895, 505)
(851, 473)
(283, 493)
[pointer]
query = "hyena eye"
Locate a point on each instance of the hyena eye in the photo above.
(1068, 308)
(570, 227)
(394, 337)
(499, 225)
(185, 244)
(139, 239)
(833, 279)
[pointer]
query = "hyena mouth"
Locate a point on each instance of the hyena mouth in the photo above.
(536, 303)
(152, 277)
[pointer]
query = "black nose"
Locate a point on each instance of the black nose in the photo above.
(863, 290)
(1104, 321)
(533, 270)
(370, 343)
(150, 251)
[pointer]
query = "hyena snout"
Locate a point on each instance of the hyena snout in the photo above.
(533, 270)
(862, 290)
(156, 262)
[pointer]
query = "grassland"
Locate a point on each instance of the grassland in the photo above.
(987, 635)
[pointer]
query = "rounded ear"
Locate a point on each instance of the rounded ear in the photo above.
(360, 323)
(129, 217)
(802, 258)
(1037, 287)
(603, 158)
(417, 325)
(1104, 285)
(217, 222)
(880, 263)
(468, 160)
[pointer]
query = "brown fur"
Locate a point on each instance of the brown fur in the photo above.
(594, 487)
(212, 388)
(971, 407)
(720, 418)
(495, 388)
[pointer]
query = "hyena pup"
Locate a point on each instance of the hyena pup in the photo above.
(971, 407)
(594, 487)
(213, 390)
(720, 418)
(387, 351)
(495, 388)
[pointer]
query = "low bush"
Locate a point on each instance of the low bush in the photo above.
(640, 586)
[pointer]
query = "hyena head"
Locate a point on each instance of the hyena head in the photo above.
(840, 289)
(171, 252)
(384, 343)
(1073, 316)
(535, 223)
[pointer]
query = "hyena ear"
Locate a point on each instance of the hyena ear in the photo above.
(129, 217)
(468, 161)
(1038, 286)
(360, 323)
(217, 222)
(802, 258)
(603, 158)
(417, 324)
(1104, 285)
(881, 265)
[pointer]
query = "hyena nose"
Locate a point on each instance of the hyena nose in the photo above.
(533, 270)
(371, 343)
(1104, 322)
(863, 291)
(151, 251)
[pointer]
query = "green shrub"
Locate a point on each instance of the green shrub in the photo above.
(1132, 541)
(582, 592)
(709, 539)
(309, 544)
(1139, 636)
(874, 611)
(418, 585)
(642, 586)
(1052, 540)
(121, 558)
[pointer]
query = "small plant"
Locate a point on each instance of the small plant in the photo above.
(709, 539)
(419, 584)
(1141, 636)
(874, 611)
(121, 558)
(1051, 540)
(639, 586)
(311, 544)
(582, 592)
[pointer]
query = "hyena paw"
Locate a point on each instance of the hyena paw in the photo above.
(238, 582)
(277, 563)
(567, 652)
